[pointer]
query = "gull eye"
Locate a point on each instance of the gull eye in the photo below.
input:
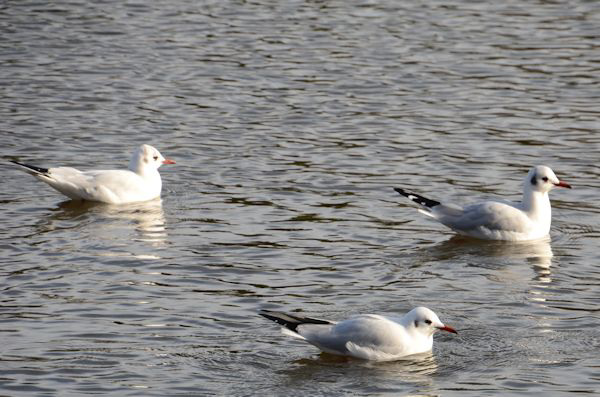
(545, 179)
(155, 158)
(428, 322)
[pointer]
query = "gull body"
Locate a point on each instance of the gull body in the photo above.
(529, 219)
(141, 182)
(366, 336)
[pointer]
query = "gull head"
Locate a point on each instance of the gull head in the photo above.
(425, 321)
(542, 179)
(147, 158)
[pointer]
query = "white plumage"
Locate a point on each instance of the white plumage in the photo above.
(366, 336)
(500, 220)
(141, 182)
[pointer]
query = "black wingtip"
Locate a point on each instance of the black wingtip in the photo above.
(417, 198)
(290, 321)
(280, 318)
(31, 167)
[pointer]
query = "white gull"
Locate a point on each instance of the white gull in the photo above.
(366, 336)
(141, 182)
(498, 220)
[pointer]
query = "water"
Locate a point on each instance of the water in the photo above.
(290, 123)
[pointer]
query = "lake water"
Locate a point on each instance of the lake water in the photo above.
(291, 122)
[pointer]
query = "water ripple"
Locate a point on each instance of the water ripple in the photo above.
(290, 123)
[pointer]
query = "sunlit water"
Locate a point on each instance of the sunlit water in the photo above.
(290, 123)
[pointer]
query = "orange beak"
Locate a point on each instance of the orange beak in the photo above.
(168, 161)
(563, 184)
(448, 328)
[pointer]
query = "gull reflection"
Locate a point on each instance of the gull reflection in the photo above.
(147, 219)
(507, 257)
(415, 369)
(536, 252)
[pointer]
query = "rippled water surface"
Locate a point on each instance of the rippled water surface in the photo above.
(290, 122)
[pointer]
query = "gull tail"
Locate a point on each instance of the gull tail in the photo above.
(31, 169)
(423, 201)
(289, 321)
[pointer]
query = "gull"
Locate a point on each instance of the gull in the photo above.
(141, 182)
(366, 336)
(499, 220)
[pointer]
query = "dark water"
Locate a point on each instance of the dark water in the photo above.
(290, 123)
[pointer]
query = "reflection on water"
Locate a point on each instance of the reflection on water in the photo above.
(416, 369)
(508, 259)
(537, 252)
(145, 218)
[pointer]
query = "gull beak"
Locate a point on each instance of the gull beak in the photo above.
(447, 328)
(563, 184)
(168, 161)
